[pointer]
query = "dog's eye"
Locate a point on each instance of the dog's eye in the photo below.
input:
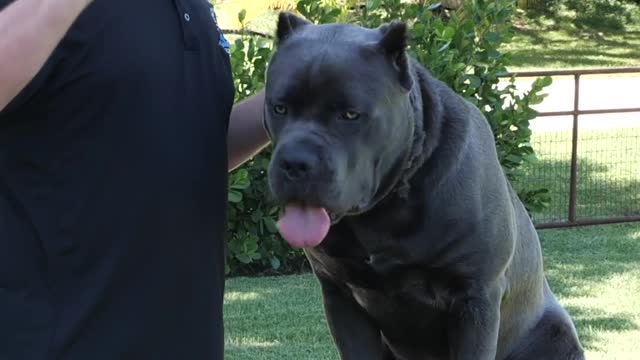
(280, 109)
(350, 115)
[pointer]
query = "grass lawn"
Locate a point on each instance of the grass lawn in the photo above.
(554, 44)
(594, 271)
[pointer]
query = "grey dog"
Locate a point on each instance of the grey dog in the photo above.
(392, 185)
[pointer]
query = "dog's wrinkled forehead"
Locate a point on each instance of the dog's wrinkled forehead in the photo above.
(329, 72)
(290, 25)
(324, 53)
(327, 33)
(340, 61)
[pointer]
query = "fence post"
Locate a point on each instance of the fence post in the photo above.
(573, 185)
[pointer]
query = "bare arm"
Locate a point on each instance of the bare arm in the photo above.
(246, 135)
(29, 32)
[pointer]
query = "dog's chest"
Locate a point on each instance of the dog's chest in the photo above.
(402, 287)
(386, 286)
(375, 263)
(405, 304)
(404, 296)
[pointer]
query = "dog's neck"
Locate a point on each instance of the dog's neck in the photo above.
(427, 110)
(416, 152)
(398, 183)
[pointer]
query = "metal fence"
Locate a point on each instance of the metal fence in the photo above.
(588, 150)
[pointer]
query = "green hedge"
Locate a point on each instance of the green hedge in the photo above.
(461, 48)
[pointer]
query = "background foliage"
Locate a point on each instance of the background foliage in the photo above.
(460, 47)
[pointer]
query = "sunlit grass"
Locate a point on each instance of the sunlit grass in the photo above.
(555, 44)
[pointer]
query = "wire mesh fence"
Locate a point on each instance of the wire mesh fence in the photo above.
(588, 147)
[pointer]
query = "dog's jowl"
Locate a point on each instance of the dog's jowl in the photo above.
(391, 183)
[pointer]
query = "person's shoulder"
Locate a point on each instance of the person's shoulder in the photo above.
(33, 87)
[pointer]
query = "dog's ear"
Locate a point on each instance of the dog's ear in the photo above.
(394, 44)
(287, 25)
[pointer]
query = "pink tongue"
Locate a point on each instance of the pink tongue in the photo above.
(304, 227)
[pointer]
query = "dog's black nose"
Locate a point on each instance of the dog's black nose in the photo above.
(297, 164)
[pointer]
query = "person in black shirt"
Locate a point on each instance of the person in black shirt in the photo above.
(114, 157)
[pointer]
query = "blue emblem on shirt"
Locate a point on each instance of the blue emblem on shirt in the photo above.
(222, 41)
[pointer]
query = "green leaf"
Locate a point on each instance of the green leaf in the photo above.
(514, 158)
(271, 225)
(492, 37)
(474, 81)
(542, 82)
(242, 15)
(373, 5)
(241, 184)
(275, 263)
(244, 258)
(493, 54)
(448, 33)
(334, 13)
(234, 196)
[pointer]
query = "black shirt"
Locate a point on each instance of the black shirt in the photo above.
(113, 192)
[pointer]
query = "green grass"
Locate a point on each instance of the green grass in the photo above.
(608, 172)
(594, 271)
(275, 318)
(556, 44)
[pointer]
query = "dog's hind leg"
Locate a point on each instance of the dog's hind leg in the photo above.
(553, 338)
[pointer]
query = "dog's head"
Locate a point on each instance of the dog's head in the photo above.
(339, 115)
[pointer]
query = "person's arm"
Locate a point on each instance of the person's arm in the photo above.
(30, 30)
(247, 135)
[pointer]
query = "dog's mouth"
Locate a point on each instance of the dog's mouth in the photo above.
(304, 226)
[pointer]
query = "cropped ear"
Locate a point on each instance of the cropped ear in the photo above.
(288, 23)
(394, 44)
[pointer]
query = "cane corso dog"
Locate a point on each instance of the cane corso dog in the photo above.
(391, 184)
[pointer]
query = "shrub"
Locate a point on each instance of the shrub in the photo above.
(462, 49)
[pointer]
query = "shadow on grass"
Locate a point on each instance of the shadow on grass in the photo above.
(590, 255)
(549, 58)
(590, 325)
(579, 265)
(548, 45)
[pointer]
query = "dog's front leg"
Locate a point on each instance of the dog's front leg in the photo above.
(473, 325)
(353, 331)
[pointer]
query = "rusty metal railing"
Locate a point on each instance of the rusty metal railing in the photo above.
(576, 112)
